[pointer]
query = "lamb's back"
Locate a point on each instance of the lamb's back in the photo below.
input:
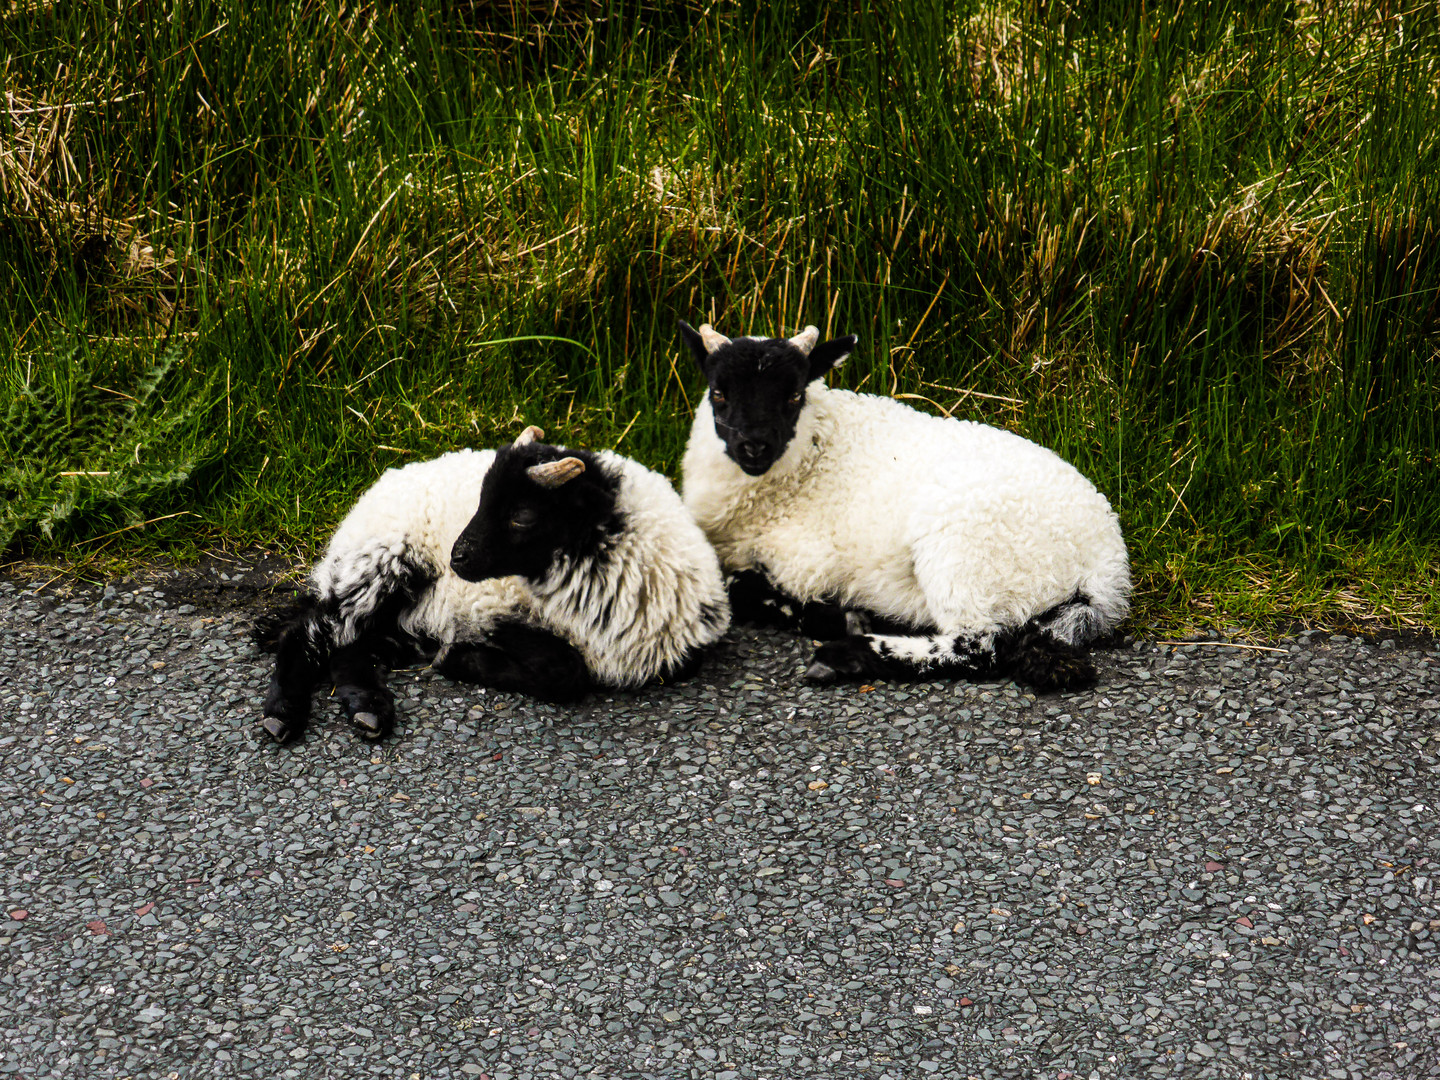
(404, 526)
(657, 595)
(874, 502)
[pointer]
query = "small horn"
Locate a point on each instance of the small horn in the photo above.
(529, 435)
(712, 338)
(554, 473)
(805, 340)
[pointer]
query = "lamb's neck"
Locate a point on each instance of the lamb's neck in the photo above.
(578, 590)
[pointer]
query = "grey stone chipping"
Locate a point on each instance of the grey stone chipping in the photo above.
(1223, 862)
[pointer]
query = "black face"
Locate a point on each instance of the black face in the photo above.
(757, 392)
(522, 528)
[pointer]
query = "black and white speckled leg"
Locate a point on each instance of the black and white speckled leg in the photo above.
(1029, 655)
(888, 656)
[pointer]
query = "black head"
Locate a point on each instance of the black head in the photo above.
(757, 387)
(538, 504)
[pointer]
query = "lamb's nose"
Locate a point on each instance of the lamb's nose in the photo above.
(753, 449)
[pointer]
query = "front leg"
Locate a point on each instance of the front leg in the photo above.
(297, 667)
(905, 658)
(753, 599)
(367, 702)
(520, 657)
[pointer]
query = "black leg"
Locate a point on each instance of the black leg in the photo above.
(297, 667)
(683, 669)
(521, 658)
(753, 599)
(367, 702)
(370, 605)
(845, 659)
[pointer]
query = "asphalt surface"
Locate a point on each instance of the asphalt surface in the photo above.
(1222, 862)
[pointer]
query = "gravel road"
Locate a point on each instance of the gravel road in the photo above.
(1223, 862)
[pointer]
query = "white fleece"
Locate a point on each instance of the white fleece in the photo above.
(950, 523)
(662, 586)
(411, 516)
(657, 594)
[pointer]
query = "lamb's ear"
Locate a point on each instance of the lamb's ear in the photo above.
(554, 473)
(831, 354)
(694, 342)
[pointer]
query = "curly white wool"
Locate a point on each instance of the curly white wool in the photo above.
(932, 521)
(662, 588)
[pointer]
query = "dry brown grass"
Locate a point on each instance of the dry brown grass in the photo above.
(54, 195)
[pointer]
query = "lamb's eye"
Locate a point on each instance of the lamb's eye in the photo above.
(717, 397)
(523, 519)
(797, 397)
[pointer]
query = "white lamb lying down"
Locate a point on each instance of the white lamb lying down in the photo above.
(577, 570)
(985, 554)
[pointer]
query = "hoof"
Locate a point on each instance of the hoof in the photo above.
(369, 724)
(846, 658)
(856, 624)
(821, 674)
(278, 728)
(370, 708)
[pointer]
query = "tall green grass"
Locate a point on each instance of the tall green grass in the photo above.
(1192, 247)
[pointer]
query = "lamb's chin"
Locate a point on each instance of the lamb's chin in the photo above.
(753, 470)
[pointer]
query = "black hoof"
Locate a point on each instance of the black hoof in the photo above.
(369, 724)
(279, 728)
(821, 674)
(847, 658)
(371, 710)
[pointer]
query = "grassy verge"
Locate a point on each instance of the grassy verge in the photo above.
(253, 257)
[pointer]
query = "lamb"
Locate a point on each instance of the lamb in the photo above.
(578, 570)
(964, 550)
